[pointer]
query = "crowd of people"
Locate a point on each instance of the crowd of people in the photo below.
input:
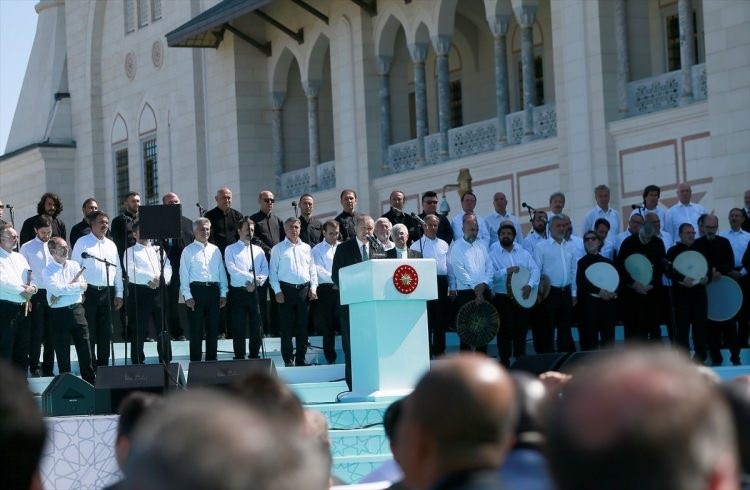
(246, 277)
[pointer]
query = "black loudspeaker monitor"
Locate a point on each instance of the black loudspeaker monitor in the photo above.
(224, 373)
(160, 222)
(113, 383)
(579, 360)
(539, 363)
(68, 394)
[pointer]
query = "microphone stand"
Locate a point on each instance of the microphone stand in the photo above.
(201, 210)
(107, 265)
(164, 340)
(420, 222)
(12, 215)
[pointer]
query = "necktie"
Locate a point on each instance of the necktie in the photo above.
(364, 253)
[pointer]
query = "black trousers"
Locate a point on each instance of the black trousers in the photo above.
(204, 318)
(145, 307)
(41, 334)
(98, 304)
(597, 325)
(514, 326)
(691, 309)
(438, 317)
(14, 335)
(346, 345)
(462, 297)
(176, 315)
(558, 315)
(723, 333)
(642, 314)
(70, 321)
(269, 311)
(243, 307)
(293, 322)
(325, 313)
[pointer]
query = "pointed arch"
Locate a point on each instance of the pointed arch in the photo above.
(280, 70)
(316, 58)
(119, 132)
(146, 120)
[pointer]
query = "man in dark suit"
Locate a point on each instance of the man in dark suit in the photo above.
(350, 252)
(346, 219)
(176, 312)
(400, 236)
(429, 206)
(397, 215)
(311, 231)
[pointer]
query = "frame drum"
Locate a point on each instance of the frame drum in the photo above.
(516, 282)
(639, 268)
(604, 276)
(724, 299)
(691, 264)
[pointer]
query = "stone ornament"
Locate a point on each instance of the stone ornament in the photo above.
(157, 54)
(130, 65)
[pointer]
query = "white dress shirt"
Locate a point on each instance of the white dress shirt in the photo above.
(57, 280)
(575, 244)
(493, 221)
(96, 272)
(608, 249)
(434, 249)
(202, 263)
(529, 243)
(738, 240)
(292, 263)
(610, 215)
(386, 246)
(366, 245)
(468, 265)
(681, 213)
(503, 259)
(143, 264)
(323, 254)
(556, 261)
(13, 273)
(667, 239)
(37, 255)
(239, 258)
(457, 224)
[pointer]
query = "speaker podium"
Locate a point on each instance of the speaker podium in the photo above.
(388, 325)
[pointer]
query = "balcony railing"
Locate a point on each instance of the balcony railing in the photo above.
(297, 182)
(663, 91)
(472, 139)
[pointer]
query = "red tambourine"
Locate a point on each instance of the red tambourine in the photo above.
(405, 279)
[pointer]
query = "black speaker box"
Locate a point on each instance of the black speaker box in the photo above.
(578, 360)
(68, 394)
(539, 363)
(223, 373)
(113, 383)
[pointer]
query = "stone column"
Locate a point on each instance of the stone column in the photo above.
(277, 128)
(499, 28)
(418, 53)
(623, 56)
(687, 50)
(442, 45)
(525, 16)
(312, 88)
(384, 95)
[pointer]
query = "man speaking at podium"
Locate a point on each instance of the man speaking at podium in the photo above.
(350, 252)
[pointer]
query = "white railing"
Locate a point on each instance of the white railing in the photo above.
(663, 91)
(297, 182)
(479, 137)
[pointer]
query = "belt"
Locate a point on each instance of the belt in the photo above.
(74, 306)
(205, 284)
(294, 286)
(325, 285)
(564, 288)
(140, 285)
(98, 288)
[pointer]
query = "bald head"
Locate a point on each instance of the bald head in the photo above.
(621, 421)
(468, 430)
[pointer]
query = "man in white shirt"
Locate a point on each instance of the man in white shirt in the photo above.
(575, 243)
(684, 211)
(65, 284)
(538, 231)
(325, 311)
(498, 215)
(105, 289)
(739, 239)
(468, 204)
(602, 210)
(248, 269)
(746, 211)
(37, 255)
(203, 284)
(601, 228)
(557, 262)
(651, 195)
(508, 257)
(432, 247)
(469, 270)
(293, 279)
(556, 205)
(145, 305)
(16, 289)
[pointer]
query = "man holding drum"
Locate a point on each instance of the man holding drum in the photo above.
(509, 258)
(597, 281)
(689, 279)
(739, 240)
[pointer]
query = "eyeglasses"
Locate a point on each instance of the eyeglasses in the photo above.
(269, 200)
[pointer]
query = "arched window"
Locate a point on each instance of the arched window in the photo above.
(149, 155)
(119, 139)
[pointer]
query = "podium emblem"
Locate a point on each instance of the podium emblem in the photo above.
(405, 279)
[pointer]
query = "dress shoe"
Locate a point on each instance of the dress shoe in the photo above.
(36, 373)
(181, 338)
(222, 336)
(288, 364)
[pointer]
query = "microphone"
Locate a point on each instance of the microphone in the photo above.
(523, 204)
(374, 243)
(635, 206)
(86, 255)
(294, 204)
(417, 219)
(7, 206)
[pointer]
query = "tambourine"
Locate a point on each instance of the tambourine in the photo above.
(639, 268)
(516, 282)
(477, 323)
(691, 264)
(603, 276)
(724, 299)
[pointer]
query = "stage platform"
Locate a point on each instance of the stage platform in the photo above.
(80, 454)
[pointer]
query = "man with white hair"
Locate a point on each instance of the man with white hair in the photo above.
(400, 250)
(684, 211)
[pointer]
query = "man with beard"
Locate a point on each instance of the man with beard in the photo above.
(690, 302)
(634, 226)
(507, 258)
(311, 231)
(49, 205)
(122, 225)
(718, 253)
(383, 234)
(83, 227)
(597, 306)
(429, 206)
(224, 220)
(538, 231)
(346, 220)
(642, 302)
